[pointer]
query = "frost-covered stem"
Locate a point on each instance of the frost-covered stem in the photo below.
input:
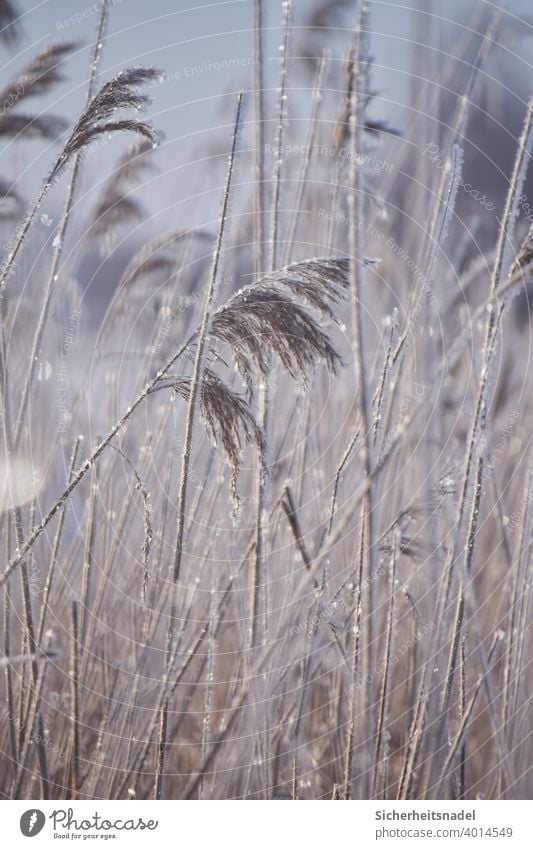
(278, 143)
(166, 691)
(30, 636)
(474, 514)
(264, 395)
(292, 516)
(9, 260)
(384, 376)
(259, 521)
(339, 160)
(387, 664)
(49, 579)
(34, 715)
(446, 203)
(310, 653)
(60, 238)
(259, 106)
(75, 695)
(201, 341)
(161, 750)
(333, 503)
(413, 741)
(445, 700)
(55, 550)
(454, 654)
(522, 622)
(459, 126)
(357, 266)
(301, 181)
(505, 237)
(8, 669)
(356, 642)
(459, 737)
(5, 270)
(93, 778)
(518, 596)
(357, 274)
(87, 568)
(462, 708)
(105, 569)
(209, 694)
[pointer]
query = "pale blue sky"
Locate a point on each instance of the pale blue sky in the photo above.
(192, 41)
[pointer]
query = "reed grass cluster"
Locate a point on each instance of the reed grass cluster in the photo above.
(275, 542)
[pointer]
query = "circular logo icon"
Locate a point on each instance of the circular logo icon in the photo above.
(32, 822)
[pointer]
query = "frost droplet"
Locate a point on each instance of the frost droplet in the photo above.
(46, 220)
(44, 371)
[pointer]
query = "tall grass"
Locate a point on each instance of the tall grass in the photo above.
(275, 540)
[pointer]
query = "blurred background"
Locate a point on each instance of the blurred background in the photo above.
(206, 52)
(421, 57)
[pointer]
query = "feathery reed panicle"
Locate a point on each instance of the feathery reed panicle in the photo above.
(40, 75)
(121, 93)
(226, 414)
(34, 80)
(261, 319)
(297, 353)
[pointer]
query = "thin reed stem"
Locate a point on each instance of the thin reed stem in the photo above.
(75, 700)
(59, 240)
(198, 370)
(258, 628)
